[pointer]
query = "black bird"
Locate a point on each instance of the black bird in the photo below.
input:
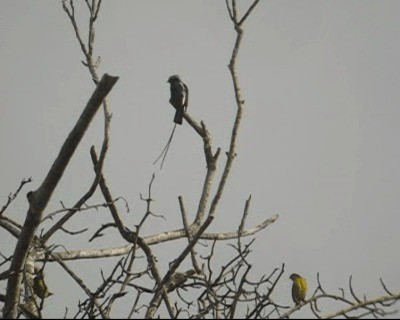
(179, 97)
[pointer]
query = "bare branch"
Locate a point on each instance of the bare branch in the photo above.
(11, 226)
(188, 234)
(251, 8)
(91, 207)
(92, 189)
(12, 197)
(363, 304)
(156, 239)
(80, 282)
(38, 199)
(229, 10)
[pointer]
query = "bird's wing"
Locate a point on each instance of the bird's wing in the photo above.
(186, 89)
(177, 95)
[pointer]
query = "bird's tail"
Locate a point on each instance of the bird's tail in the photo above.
(166, 148)
(178, 116)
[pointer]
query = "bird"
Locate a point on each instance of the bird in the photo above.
(178, 279)
(40, 287)
(299, 288)
(179, 97)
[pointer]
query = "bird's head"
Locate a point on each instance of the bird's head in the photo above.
(173, 78)
(294, 276)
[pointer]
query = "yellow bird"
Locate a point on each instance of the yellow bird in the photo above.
(299, 288)
(40, 287)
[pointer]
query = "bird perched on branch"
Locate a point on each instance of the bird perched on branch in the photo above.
(299, 288)
(40, 287)
(179, 97)
(178, 279)
(179, 100)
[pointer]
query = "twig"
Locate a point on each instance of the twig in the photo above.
(95, 206)
(11, 197)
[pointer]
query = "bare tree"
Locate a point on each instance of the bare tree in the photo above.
(203, 290)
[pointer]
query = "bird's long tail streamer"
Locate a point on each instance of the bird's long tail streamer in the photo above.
(166, 148)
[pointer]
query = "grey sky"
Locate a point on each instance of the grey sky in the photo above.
(317, 145)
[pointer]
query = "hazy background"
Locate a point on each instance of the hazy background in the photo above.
(318, 143)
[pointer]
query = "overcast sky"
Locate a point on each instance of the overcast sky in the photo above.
(318, 143)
